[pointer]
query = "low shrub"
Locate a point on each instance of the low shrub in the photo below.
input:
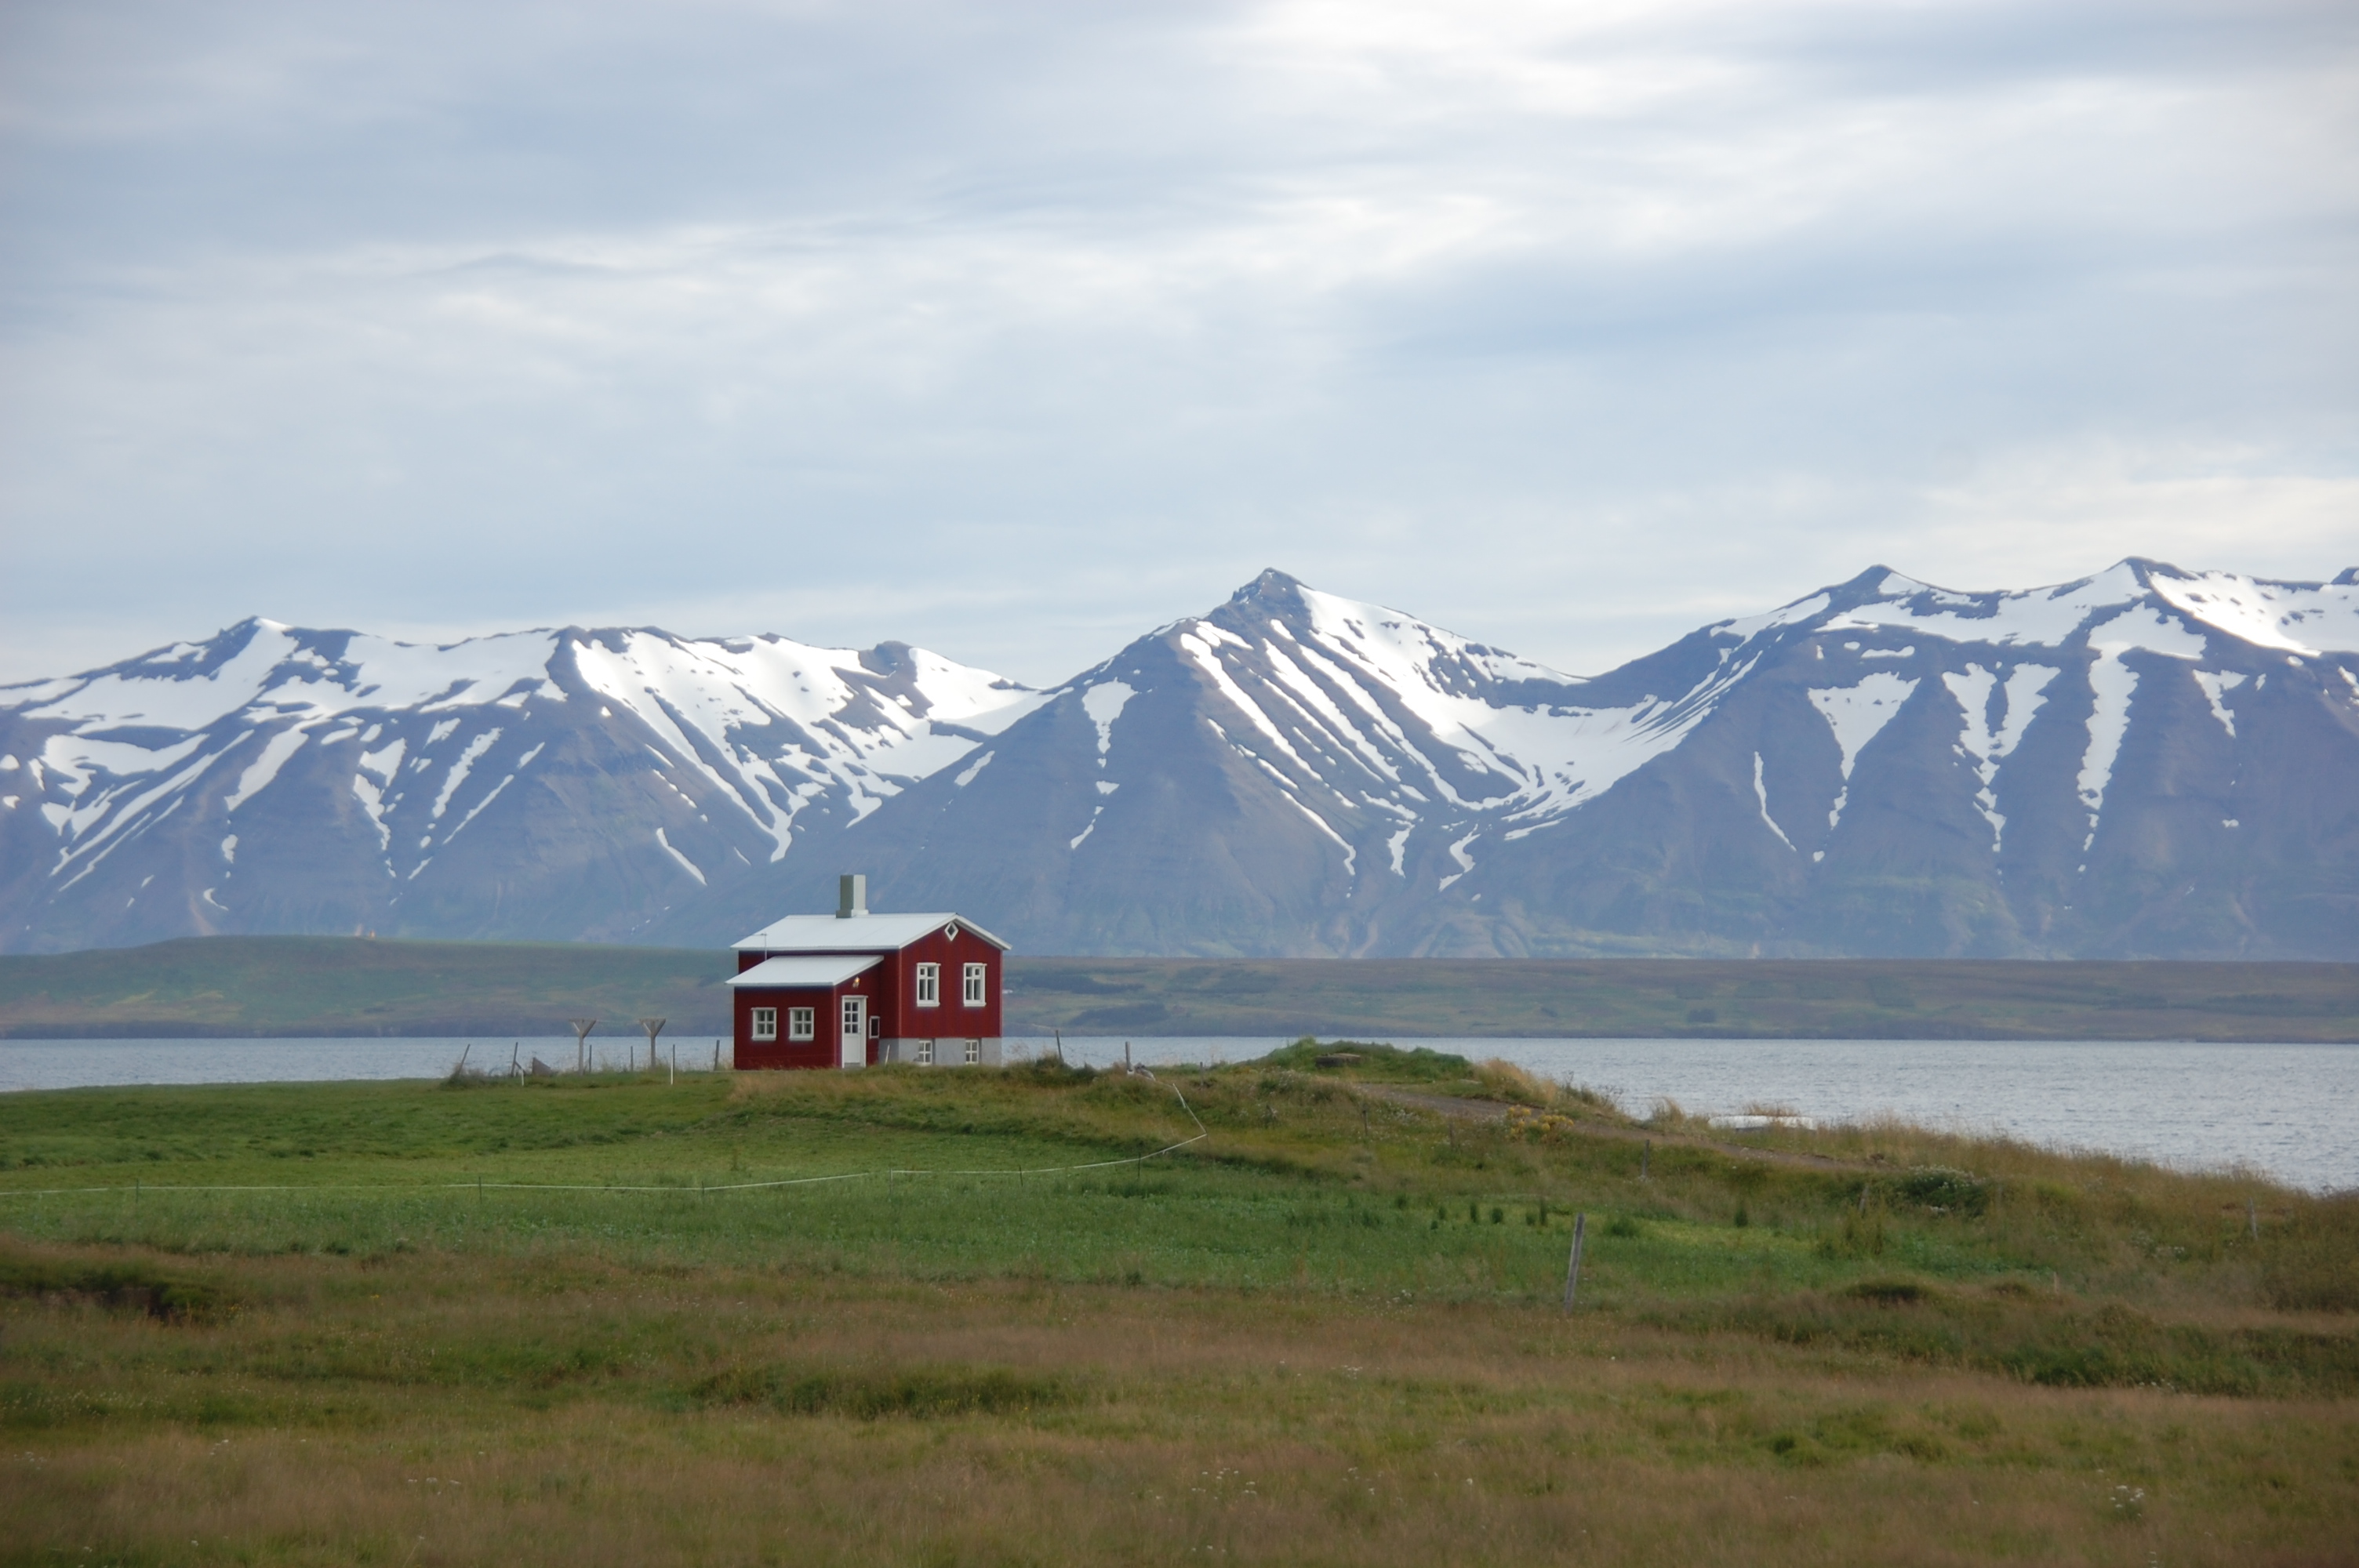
(1940, 1188)
(874, 1394)
(119, 1287)
(2311, 1263)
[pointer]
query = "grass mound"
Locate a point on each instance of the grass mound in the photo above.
(1373, 1062)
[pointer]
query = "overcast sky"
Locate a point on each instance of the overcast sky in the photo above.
(1015, 330)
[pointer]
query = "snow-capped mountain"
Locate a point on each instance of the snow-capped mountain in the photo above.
(545, 784)
(2144, 762)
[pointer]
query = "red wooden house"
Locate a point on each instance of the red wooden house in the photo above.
(852, 988)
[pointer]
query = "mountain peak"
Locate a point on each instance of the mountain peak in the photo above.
(1272, 587)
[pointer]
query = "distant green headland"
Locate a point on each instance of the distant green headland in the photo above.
(246, 986)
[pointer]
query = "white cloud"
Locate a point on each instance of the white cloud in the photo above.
(1011, 331)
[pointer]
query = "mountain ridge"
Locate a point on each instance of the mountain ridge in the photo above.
(2144, 761)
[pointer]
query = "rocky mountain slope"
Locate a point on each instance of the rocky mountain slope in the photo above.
(2145, 762)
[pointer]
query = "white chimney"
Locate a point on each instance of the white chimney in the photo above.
(852, 896)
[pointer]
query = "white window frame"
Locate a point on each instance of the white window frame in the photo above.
(974, 1052)
(977, 978)
(802, 1023)
(765, 1023)
(924, 1052)
(929, 985)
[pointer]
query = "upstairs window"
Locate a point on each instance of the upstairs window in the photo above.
(765, 1024)
(802, 1023)
(974, 993)
(929, 985)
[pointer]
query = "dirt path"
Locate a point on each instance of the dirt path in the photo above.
(1493, 1111)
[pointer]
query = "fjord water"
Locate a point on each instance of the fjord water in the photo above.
(2285, 1110)
(94, 1063)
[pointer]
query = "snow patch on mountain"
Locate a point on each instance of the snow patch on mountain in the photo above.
(686, 864)
(1761, 794)
(2217, 683)
(1987, 738)
(264, 768)
(2310, 619)
(1103, 703)
(477, 809)
(1465, 861)
(372, 799)
(2113, 683)
(460, 769)
(1857, 714)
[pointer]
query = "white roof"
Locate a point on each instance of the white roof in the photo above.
(811, 971)
(859, 934)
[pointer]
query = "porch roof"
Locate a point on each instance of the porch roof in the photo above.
(807, 970)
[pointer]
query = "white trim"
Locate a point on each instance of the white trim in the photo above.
(976, 990)
(929, 985)
(802, 1023)
(852, 1031)
(862, 934)
(764, 1024)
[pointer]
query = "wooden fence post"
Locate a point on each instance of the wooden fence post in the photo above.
(1572, 1264)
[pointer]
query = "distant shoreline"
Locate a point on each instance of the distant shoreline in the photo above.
(350, 988)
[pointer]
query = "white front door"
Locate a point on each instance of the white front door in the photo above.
(855, 1032)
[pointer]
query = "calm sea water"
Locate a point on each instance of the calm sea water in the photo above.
(2290, 1111)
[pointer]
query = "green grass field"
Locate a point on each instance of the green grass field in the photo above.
(562, 1321)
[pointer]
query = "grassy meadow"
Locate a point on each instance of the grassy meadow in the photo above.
(565, 1320)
